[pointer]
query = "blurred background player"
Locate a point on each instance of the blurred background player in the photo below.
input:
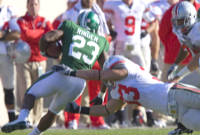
(172, 47)
(185, 26)
(61, 18)
(32, 28)
(9, 32)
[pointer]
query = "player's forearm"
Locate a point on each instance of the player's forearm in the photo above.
(195, 63)
(89, 74)
(155, 46)
(95, 110)
(99, 110)
(103, 75)
(53, 35)
(181, 56)
(112, 106)
(14, 35)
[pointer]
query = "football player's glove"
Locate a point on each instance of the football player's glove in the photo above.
(64, 70)
(73, 108)
(172, 72)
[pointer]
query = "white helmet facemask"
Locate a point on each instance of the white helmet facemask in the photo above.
(183, 16)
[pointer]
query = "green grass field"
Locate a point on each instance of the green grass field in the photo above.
(133, 131)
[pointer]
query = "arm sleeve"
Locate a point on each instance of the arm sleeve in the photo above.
(30, 34)
(33, 34)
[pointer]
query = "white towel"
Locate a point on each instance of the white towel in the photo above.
(103, 25)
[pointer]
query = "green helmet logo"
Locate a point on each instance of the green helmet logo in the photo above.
(89, 20)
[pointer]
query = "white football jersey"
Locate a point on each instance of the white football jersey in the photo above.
(126, 20)
(141, 87)
(194, 33)
(6, 13)
(8, 21)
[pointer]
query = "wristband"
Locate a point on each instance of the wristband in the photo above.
(175, 65)
(101, 95)
(73, 73)
(183, 72)
(85, 110)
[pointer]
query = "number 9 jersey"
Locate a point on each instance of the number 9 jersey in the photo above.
(80, 48)
(126, 20)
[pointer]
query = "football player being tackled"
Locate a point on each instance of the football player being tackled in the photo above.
(80, 47)
(131, 84)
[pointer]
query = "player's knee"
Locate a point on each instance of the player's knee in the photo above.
(9, 96)
(191, 119)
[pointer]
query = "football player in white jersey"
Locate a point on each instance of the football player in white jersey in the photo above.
(133, 85)
(126, 17)
(9, 31)
(186, 27)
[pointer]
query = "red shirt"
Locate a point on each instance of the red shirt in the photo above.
(31, 31)
(169, 39)
(57, 21)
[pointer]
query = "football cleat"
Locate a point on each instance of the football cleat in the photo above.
(73, 125)
(180, 130)
(15, 125)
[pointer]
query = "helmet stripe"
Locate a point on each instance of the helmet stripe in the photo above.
(121, 61)
(176, 10)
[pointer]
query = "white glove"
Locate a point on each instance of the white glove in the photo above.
(64, 70)
(172, 72)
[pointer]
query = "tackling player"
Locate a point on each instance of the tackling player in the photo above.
(131, 84)
(80, 48)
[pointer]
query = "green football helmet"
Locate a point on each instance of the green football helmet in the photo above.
(89, 20)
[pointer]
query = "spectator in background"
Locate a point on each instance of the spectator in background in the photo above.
(72, 120)
(60, 18)
(9, 31)
(32, 28)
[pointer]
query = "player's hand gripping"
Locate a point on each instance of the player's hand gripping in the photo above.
(154, 68)
(172, 72)
(63, 69)
(73, 108)
(99, 99)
